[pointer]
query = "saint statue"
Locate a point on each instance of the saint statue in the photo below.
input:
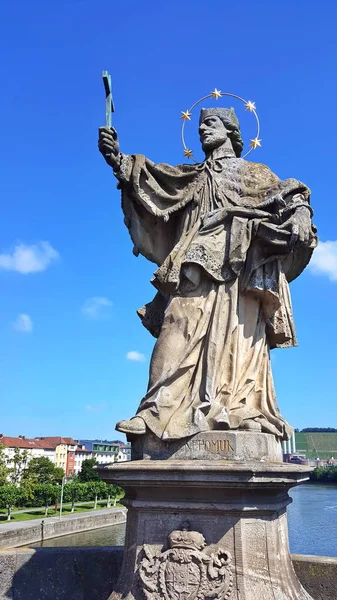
(227, 236)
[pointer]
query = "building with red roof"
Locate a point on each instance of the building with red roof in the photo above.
(28, 447)
(64, 452)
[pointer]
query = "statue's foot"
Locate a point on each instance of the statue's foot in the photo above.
(251, 425)
(136, 426)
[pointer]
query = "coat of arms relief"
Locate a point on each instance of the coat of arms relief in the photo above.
(186, 571)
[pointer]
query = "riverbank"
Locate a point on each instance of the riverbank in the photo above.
(13, 535)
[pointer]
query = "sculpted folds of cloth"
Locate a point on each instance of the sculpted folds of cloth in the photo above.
(227, 236)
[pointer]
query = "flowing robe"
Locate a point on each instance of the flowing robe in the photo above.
(223, 298)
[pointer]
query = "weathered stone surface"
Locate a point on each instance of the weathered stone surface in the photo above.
(211, 445)
(318, 574)
(27, 574)
(19, 569)
(238, 508)
(58, 573)
(212, 474)
(7, 570)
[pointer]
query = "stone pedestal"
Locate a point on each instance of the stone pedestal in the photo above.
(209, 527)
(225, 445)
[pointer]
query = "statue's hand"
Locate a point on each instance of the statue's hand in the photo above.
(108, 145)
(300, 225)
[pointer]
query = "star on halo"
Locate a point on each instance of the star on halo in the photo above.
(186, 115)
(250, 106)
(188, 153)
(216, 94)
(255, 143)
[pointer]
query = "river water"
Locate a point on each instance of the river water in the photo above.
(312, 519)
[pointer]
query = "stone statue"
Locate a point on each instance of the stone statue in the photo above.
(227, 236)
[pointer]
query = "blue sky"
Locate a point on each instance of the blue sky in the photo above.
(67, 307)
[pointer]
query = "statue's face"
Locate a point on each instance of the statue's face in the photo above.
(212, 133)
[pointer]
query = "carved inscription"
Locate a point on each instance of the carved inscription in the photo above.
(215, 446)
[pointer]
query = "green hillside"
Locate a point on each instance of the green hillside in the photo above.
(317, 445)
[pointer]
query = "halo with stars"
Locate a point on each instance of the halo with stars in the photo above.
(216, 94)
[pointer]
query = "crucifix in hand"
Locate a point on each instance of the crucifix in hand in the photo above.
(109, 103)
(108, 138)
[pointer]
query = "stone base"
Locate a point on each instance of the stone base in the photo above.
(206, 529)
(210, 445)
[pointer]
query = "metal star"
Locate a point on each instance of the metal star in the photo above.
(250, 106)
(255, 143)
(188, 153)
(216, 94)
(186, 115)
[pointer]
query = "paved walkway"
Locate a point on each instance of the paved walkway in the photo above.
(11, 525)
(38, 508)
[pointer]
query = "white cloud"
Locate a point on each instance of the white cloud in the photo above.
(29, 259)
(97, 307)
(96, 408)
(324, 260)
(134, 355)
(23, 323)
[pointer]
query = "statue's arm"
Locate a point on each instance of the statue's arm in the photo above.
(299, 220)
(160, 188)
(290, 223)
(122, 164)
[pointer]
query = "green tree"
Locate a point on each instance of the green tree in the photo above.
(87, 472)
(111, 494)
(115, 492)
(95, 489)
(73, 491)
(10, 496)
(19, 461)
(3, 466)
(331, 473)
(46, 493)
(42, 470)
(319, 430)
(27, 492)
(58, 474)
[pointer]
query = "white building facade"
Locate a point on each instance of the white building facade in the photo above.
(81, 455)
(26, 448)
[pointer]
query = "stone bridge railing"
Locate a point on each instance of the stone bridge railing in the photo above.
(90, 573)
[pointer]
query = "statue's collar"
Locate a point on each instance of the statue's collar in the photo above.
(222, 153)
(216, 161)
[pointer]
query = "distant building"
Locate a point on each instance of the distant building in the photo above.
(65, 452)
(65, 449)
(125, 451)
(106, 452)
(81, 454)
(314, 448)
